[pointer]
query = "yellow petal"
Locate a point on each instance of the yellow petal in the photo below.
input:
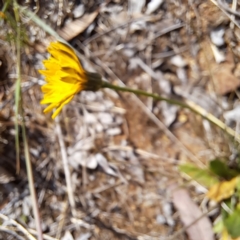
(61, 106)
(50, 107)
(64, 77)
(59, 50)
(52, 64)
(58, 46)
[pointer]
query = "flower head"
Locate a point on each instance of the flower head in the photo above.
(65, 77)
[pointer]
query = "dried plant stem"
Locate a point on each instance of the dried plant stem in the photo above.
(31, 184)
(24, 135)
(65, 167)
(17, 92)
(182, 103)
(19, 226)
(218, 4)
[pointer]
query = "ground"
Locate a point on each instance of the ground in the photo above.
(123, 151)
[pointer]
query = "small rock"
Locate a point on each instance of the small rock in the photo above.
(217, 37)
(161, 219)
(84, 236)
(99, 127)
(78, 11)
(105, 118)
(113, 131)
(153, 6)
(90, 118)
(178, 61)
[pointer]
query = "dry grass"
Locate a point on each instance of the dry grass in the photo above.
(123, 151)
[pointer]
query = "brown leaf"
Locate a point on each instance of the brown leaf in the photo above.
(189, 212)
(225, 81)
(76, 27)
(69, 31)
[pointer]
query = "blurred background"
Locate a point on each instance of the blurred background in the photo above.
(123, 150)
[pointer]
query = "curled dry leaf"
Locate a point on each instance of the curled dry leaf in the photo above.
(69, 31)
(190, 212)
(222, 190)
(72, 29)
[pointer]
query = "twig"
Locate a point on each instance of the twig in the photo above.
(170, 53)
(97, 35)
(62, 220)
(19, 226)
(31, 184)
(65, 167)
(234, 7)
(11, 231)
(17, 90)
(46, 237)
(230, 10)
(225, 11)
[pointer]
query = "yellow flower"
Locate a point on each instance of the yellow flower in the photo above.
(65, 77)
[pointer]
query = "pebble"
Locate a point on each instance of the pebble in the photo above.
(78, 11)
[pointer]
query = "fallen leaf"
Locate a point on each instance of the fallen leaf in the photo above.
(74, 28)
(222, 77)
(225, 80)
(202, 176)
(190, 212)
(222, 190)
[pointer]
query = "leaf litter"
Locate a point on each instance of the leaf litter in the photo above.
(123, 165)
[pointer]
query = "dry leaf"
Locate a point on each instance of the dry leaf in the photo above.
(189, 212)
(72, 29)
(225, 80)
(223, 77)
(222, 190)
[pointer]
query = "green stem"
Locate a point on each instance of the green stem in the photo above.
(143, 93)
(182, 103)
